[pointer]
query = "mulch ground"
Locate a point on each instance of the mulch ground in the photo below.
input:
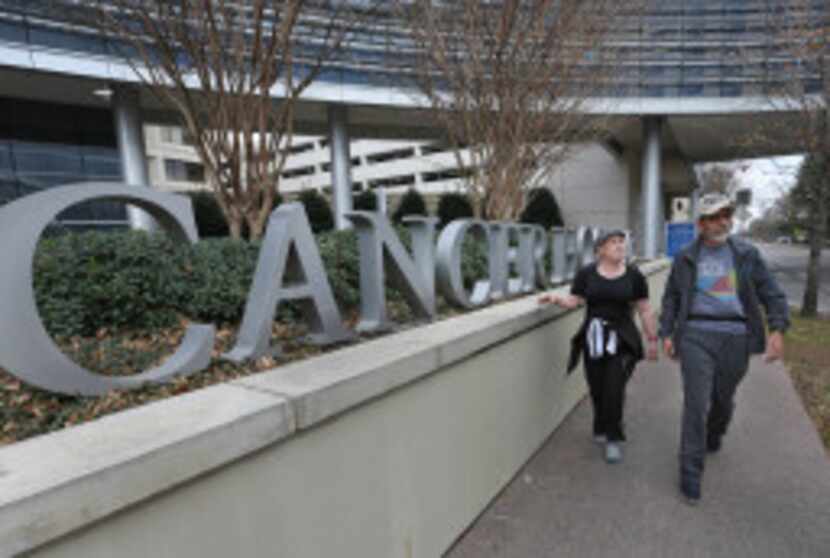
(26, 411)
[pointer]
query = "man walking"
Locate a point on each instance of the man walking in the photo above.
(711, 320)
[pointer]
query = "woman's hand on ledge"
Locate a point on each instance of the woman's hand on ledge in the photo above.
(550, 298)
(563, 301)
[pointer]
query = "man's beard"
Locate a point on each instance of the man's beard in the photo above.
(718, 238)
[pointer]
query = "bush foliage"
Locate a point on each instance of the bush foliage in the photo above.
(210, 221)
(542, 209)
(318, 210)
(130, 280)
(452, 206)
(365, 201)
(412, 203)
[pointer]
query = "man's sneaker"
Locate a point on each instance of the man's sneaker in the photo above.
(691, 492)
(613, 452)
(713, 443)
(600, 439)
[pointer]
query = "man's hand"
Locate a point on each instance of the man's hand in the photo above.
(668, 348)
(775, 347)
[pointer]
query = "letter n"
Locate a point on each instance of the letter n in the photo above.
(380, 247)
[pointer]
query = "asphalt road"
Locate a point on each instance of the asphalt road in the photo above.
(788, 263)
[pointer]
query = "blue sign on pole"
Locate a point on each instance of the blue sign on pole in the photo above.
(678, 235)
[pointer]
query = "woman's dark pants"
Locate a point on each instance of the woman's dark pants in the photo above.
(607, 377)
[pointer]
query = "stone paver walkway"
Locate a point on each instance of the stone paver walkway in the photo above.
(766, 494)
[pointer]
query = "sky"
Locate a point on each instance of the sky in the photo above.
(769, 179)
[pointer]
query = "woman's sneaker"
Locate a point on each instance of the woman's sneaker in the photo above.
(613, 452)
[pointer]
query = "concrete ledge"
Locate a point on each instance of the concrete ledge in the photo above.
(54, 484)
(58, 484)
(322, 387)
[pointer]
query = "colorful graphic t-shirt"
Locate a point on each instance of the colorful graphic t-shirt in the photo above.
(716, 291)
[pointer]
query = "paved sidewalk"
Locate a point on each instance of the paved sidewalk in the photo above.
(767, 493)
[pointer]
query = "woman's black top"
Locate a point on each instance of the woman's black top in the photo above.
(612, 300)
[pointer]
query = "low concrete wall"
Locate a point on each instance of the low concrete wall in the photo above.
(386, 449)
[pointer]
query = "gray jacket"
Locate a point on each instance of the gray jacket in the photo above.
(756, 286)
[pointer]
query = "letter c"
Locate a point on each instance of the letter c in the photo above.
(26, 349)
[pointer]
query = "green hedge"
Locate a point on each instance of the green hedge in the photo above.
(317, 208)
(134, 280)
(412, 203)
(452, 206)
(366, 200)
(210, 221)
(91, 280)
(542, 209)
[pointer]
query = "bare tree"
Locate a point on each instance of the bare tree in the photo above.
(796, 84)
(718, 178)
(509, 83)
(233, 70)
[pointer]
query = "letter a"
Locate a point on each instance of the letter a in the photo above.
(289, 268)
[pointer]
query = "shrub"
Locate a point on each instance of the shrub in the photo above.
(365, 201)
(134, 280)
(318, 210)
(219, 279)
(542, 209)
(210, 221)
(86, 281)
(452, 206)
(338, 250)
(412, 203)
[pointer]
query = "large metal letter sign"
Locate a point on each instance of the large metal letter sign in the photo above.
(585, 245)
(531, 252)
(378, 244)
(448, 264)
(26, 349)
(289, 268)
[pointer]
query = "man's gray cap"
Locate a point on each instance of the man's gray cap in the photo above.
(710, 204)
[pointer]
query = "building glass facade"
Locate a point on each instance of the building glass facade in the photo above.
(708, 48)
(673, 48)
(43, 145)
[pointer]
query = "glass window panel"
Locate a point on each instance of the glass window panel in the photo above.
(78, 212)
(8, 189)
(108, 211)
(691, 90)
(99, 167)
(47, 161)
(5, 157)
(65, 40)
(731, 89)
(13, 31)
(36, 182)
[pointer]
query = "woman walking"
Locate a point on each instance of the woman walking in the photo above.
(608, 339)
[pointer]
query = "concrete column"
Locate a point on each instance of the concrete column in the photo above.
(129, 134)
(341, 164)
(651, 196)
(380, 195)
